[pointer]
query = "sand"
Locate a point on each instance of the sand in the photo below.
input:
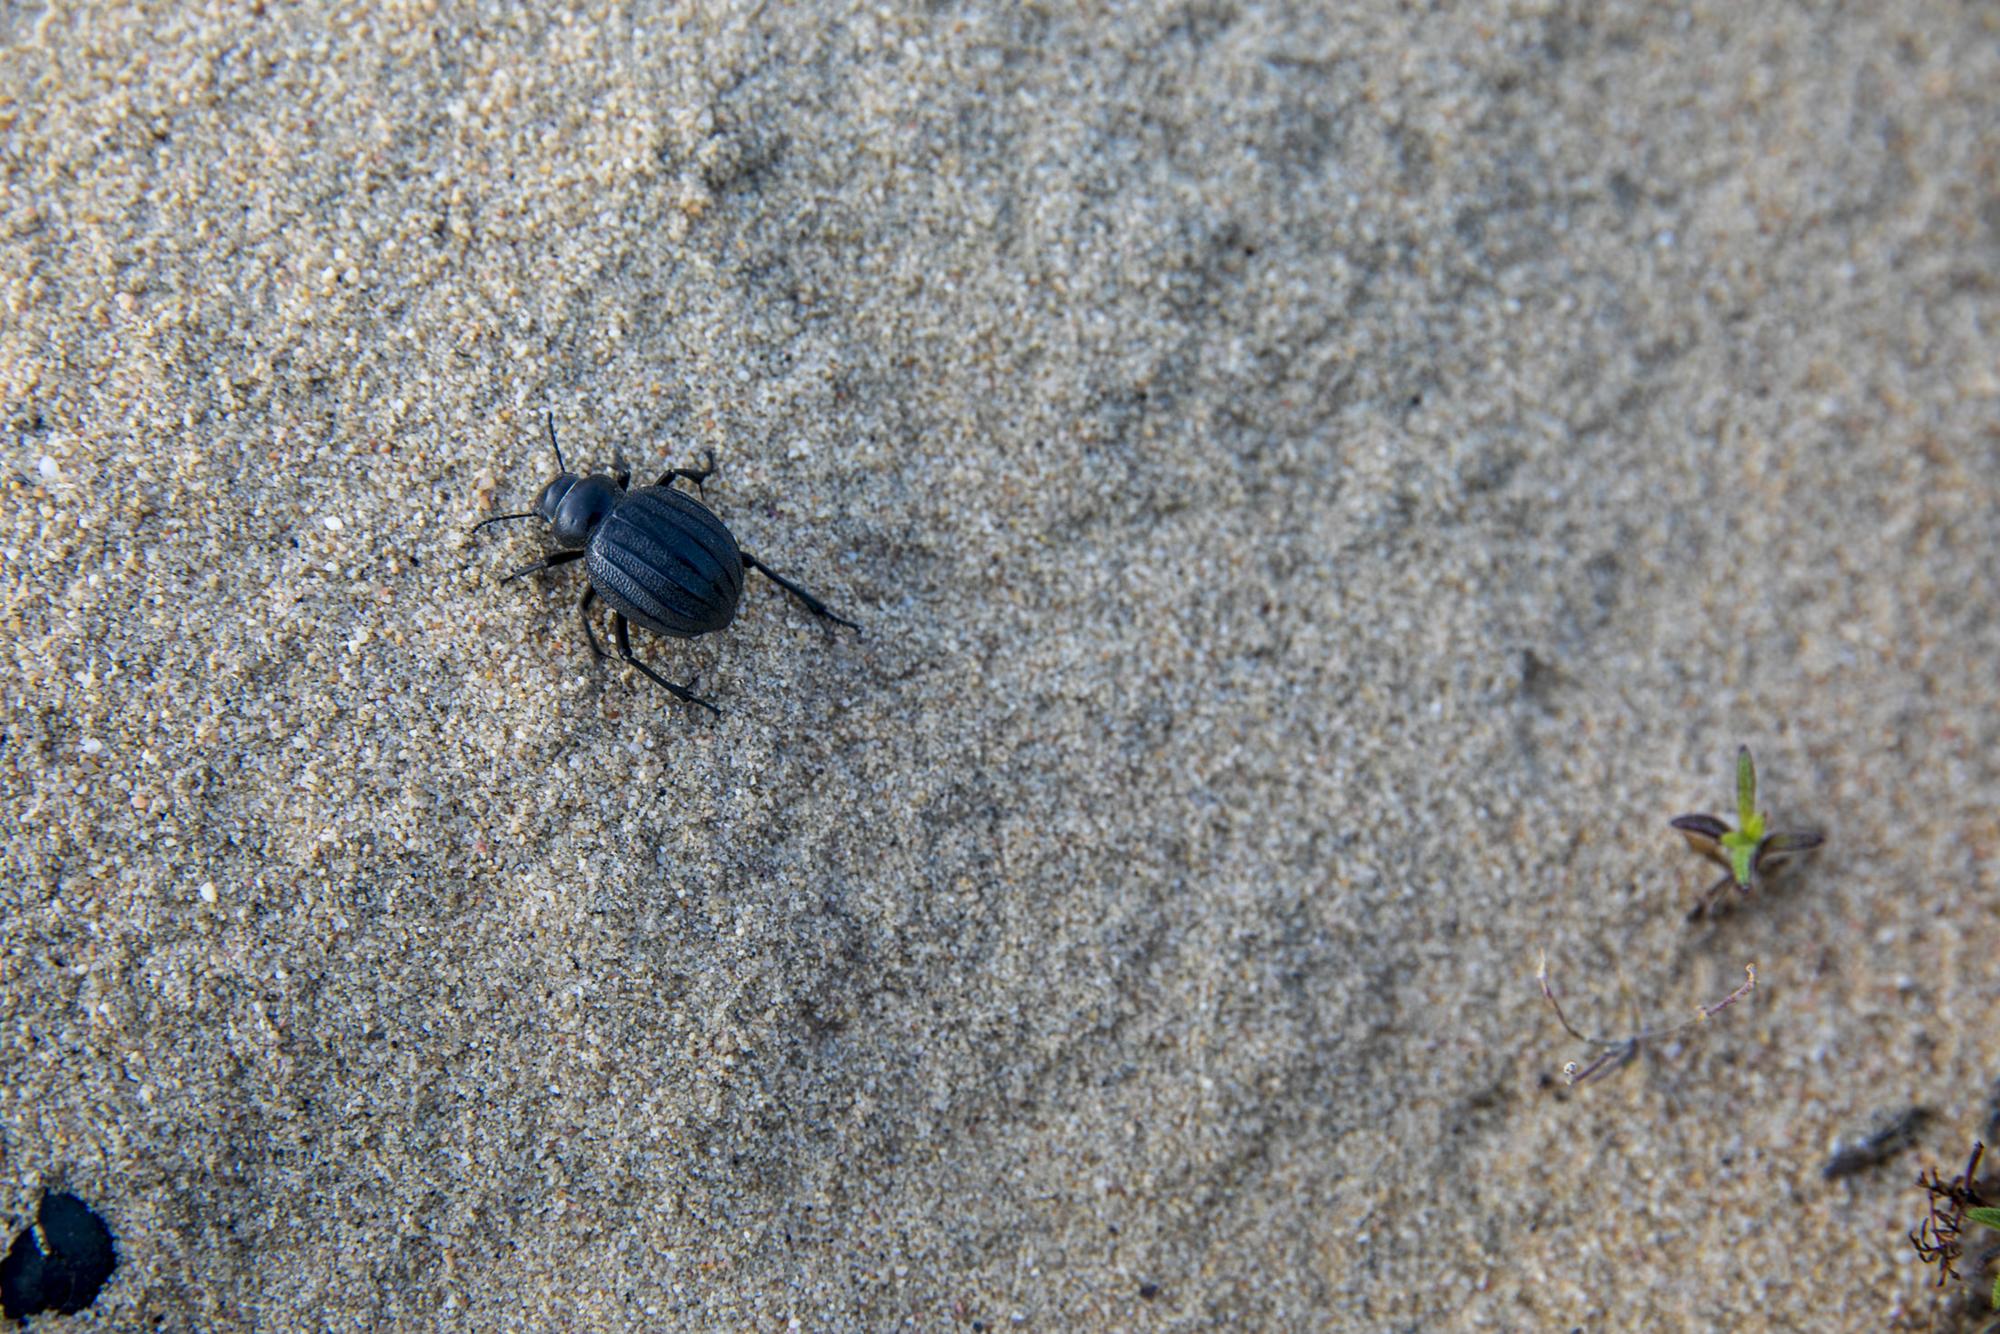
(1321, 488)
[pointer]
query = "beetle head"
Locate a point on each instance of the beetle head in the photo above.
(574, 505)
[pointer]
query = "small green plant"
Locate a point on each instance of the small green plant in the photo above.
(1619, 1052)
(1748, 851)
(1940, 1238)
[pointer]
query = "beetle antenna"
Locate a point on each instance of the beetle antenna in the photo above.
(553, 445)
(501, 518)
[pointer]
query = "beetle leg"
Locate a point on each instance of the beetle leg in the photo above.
(695, 475)
(583, 614)
(811, 603)
(625, 651)
(559, 558)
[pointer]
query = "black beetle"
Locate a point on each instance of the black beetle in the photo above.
(657, 555)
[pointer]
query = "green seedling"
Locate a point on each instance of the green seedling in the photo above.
(1940, 1238)
(1750, 853)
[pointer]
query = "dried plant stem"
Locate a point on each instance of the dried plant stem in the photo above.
(1619, 1051)
(1939, 1239)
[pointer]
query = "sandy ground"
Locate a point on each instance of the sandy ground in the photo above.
(1322, 487)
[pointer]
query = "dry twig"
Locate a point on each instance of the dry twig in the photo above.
(1940, 1238)
(1619, 1052)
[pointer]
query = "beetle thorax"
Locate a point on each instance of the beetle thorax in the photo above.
(574, 505)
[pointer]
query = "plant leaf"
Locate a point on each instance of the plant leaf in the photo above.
(1742, 851)
(1704, 826)
(1740, 860)
(1746, 788)
(1784, 845)
(1986, 1216)
(1996, 1293)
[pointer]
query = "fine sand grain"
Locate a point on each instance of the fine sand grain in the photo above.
(1322, 487)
